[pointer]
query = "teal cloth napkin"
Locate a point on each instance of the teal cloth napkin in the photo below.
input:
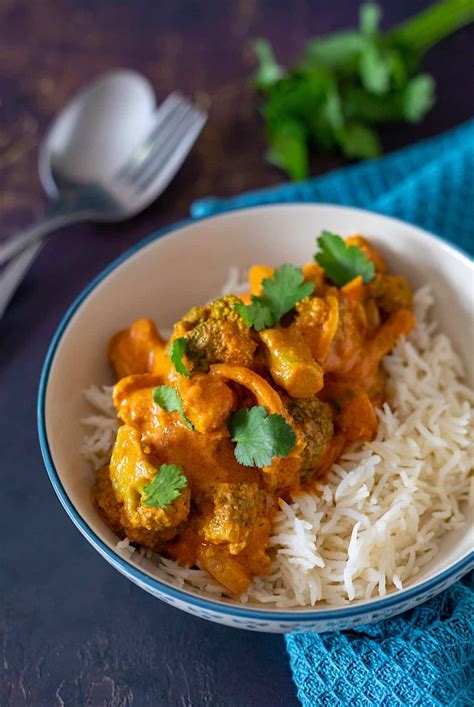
(424, 657)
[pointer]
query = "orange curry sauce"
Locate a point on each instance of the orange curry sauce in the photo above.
(320, 368)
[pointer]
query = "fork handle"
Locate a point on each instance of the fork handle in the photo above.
(14, 272)
(59, 214)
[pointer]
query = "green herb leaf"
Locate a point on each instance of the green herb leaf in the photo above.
(165, 487)
(287, 148)
(257, 314)
(285, 288)
(369, 18)
(269, 71)
(375, 69)
(280, 294)
(359, 140)
(419, 97)
(342, 263)
(169, 399)
(337, 51)
(177, 351)
(260, 437)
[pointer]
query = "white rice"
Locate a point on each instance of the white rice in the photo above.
(378, 516)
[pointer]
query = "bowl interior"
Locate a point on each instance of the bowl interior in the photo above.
(163, 279)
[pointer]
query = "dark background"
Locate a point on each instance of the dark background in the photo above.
(74, 631)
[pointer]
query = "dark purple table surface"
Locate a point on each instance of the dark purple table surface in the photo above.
(74, 631)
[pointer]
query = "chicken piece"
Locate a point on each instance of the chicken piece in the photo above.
(399, 323)
(317, 320)
(392, 292)
(372, 315)
(237, 509)
(313, 423)
(283, 476)
(257, 274)
(314, 273)
(132, 350)
(348, 341)
(226, 569)
(357, 419)
(130, 470)
(254, 557)
(216, 333)
(207, 400)
(290, 362)
(354, 292)
(133, 398)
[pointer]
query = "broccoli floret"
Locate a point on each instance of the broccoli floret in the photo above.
(216, 333)
(237, 509)
(313, 423)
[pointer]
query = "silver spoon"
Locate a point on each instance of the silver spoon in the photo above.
(107, 156)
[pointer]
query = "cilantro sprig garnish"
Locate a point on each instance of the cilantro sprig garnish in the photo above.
(260, 437)
(350, 82)
(169, 399)
(342, 262)
(165, 487)
(177, 351)
(280, 294)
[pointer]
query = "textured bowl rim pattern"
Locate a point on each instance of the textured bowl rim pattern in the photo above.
(298, 615)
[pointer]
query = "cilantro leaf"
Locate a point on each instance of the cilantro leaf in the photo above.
(269, 70)
(285, 289)
(375, 69)
(257, 314)
(369, 18)
(287, 147)
(342, 263)
(260, 437)
(359, 140)
(335, 51)
(418, 97)
(169, 399)
(177, 351)
(280, 294)
(165, 487)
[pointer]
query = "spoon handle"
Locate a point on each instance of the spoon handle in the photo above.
(14, 272)
(58, 215)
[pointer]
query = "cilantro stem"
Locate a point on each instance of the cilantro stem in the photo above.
(433, 24)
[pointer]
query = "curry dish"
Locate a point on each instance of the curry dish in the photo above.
(251, 399)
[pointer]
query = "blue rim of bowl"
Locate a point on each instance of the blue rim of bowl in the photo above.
(298, 614)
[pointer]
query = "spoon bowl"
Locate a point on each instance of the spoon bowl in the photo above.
(108, 155)
(96, 132)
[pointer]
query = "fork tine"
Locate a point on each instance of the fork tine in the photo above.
(167, 113)
(165, 163)
(162, 138)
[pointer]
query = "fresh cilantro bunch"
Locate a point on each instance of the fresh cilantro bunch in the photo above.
(348, 83)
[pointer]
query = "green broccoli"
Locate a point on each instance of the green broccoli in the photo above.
(313, 423)
(216, 333)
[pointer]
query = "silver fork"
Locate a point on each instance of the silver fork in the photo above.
(142, 177)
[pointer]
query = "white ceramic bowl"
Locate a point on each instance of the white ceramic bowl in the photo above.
(188, 264)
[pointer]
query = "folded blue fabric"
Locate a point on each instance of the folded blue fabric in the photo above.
(430, 184)
(424, 657)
